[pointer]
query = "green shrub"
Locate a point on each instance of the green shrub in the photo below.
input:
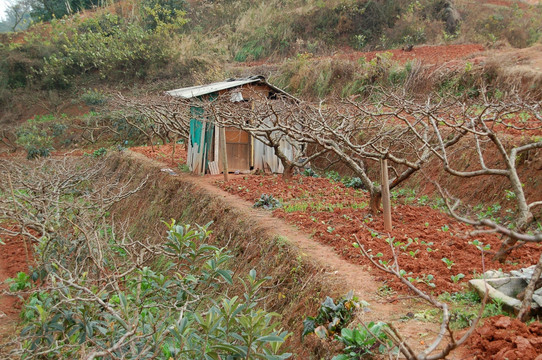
(35, 141)
(106, 46)
(365, 340)
(58, 129)
(20, 283)
(161, 309)
(99, 153)
(331, 317)
(333, 175)
(163, 14)
(309, 172)
(354, 182)
(116, 50)
(268, 202)
(93, 97)
(251, 51)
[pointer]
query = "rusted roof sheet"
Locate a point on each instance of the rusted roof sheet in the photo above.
(199, 90)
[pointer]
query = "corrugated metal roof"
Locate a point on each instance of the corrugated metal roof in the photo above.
(194, 91)
(199, 90)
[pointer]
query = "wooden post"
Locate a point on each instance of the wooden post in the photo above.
(386, 205)
(223, 152)
(173, 149)
(216, 150)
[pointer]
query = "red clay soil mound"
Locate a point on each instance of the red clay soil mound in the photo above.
(162, 153)
(504, 338)
(508, 3)
(426, 54)
(336, 216)
(13, 259)
(429, 54)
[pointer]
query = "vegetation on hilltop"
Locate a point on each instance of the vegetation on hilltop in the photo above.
(149, 39)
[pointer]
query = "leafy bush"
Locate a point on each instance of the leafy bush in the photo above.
(309, 172)
(333, 175)
(99, 153)
(35, 141)
(112, 48)
(161, 14)
(331, 317)
(161, 308)
(20, 283)
(250, 51)
(359, 342)
(106, 46)
(103, 293)
(354, 182)
(93, 97)
(268, 202)
(58, 129)
(37, 135)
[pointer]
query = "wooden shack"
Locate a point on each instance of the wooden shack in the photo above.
(244, 152)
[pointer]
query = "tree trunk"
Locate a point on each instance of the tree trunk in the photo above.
(525, 217)
(374, 201)
(173, 149)
(288, 172)
(508, 243)
(504, 250)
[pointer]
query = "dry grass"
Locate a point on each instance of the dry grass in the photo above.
(520, 69)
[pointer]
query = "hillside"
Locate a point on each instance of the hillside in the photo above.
(203, 41)
(106, 255)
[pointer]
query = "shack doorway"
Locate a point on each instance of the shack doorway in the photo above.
(238, 148)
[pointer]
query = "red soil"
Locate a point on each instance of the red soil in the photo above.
(508, 3)
(503, 338)
(337, 216)
(163, 154)
(13, 259)
(427, 54)
(518, 127)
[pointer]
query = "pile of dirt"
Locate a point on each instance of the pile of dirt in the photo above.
(503, 338)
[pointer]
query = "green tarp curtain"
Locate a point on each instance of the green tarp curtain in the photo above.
(201, 134)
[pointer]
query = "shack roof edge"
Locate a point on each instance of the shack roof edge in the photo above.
(199, 90)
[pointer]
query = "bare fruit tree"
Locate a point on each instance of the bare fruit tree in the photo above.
(37, 201)
(498, 133)
(276, 122)
(356, 131)
(161, 115)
